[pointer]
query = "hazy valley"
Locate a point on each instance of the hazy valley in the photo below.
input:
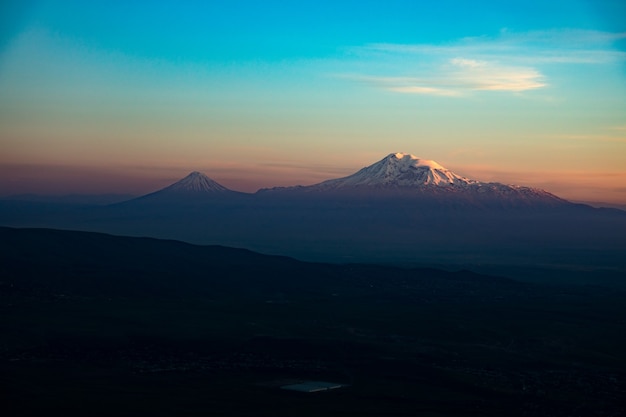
(116, 325)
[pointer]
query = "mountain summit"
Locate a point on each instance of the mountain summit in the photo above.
(195, 187)
(400, 170)
(196, 182)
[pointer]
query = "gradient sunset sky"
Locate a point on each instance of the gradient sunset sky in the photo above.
(128, 97)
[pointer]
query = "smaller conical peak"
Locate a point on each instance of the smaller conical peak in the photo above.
(196, 182)
(412, 160)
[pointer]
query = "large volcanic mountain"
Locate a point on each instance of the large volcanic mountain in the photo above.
(401, 174)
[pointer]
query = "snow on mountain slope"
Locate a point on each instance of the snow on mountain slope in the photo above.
(399, 170)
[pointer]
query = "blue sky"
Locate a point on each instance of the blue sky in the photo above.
(128, 97)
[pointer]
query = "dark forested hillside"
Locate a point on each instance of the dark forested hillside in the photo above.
(100, 325)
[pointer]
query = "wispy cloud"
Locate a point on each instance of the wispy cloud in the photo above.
(549, 46)
(416, 89)
(485, 75)
(460, 76)
(509, 62)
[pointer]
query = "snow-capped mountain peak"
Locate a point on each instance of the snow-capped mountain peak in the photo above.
(400, 170)
(402, 174)
(196, 182)
(412, 160)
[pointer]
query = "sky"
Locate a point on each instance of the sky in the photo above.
(127, 97)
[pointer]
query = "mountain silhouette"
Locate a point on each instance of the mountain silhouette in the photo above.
(401, 209)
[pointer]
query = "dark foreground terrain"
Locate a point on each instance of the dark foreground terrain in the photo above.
(100, 325)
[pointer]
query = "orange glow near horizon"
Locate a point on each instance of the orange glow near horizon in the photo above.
(65, 180)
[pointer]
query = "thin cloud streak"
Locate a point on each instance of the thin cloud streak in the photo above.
(415, 89)
(556, 46)
(460, 76)
(483, 75)
(508, 62)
